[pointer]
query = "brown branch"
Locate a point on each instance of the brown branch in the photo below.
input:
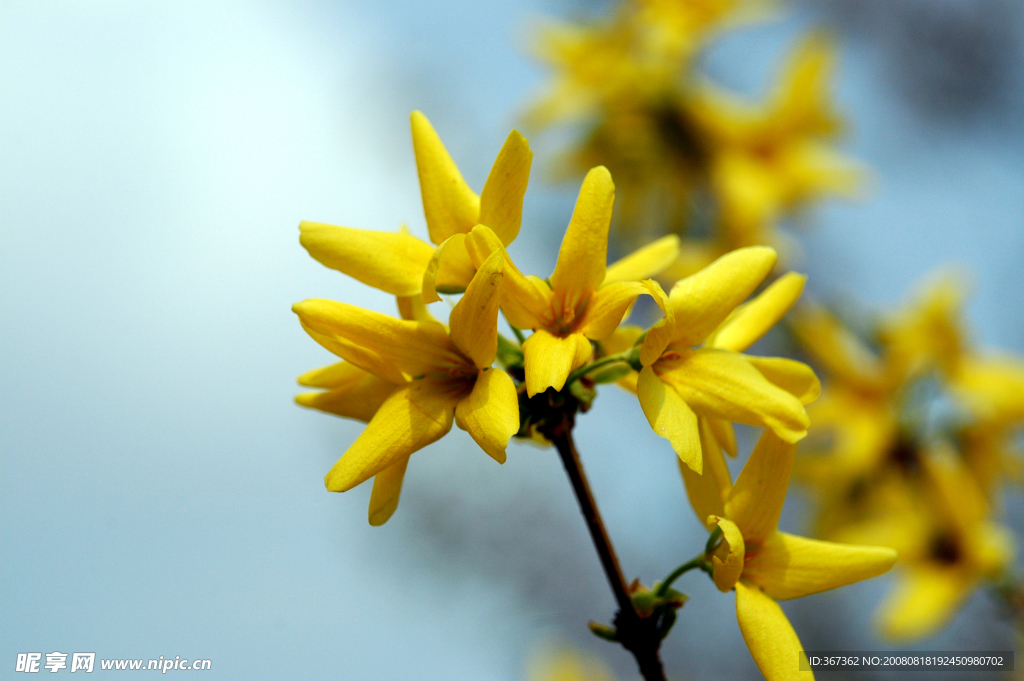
(637, 634)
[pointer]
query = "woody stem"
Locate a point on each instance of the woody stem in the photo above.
(638, 635)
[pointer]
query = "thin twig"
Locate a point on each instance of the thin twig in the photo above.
(638, 635)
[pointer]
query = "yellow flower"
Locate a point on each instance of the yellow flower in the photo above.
(946, 560)
(567, 665)
(883, 480)
(436, 376)
(927, 334)
(584, 298)
(635, 57)
(680, 381)
(764, 565)
(596, 64)
(622, 78)
(395, 263)
(767, 161)
(858, 461)
(872, 449)
(681, 28)
(991, 388)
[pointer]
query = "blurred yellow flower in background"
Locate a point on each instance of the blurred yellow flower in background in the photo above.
(913, 442)
(690, 157)
(945, 558)
(767, 161)
(566, 664)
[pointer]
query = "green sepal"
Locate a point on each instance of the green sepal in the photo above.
(610, 374)
(604, 631)
(583, 392)
(510, 355)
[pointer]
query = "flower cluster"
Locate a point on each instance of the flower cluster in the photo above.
(917, 436)
(411, 378)
(690, 157)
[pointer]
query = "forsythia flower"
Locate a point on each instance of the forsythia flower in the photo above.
(681, 28)
(868, 407)
(435, 377)
(946, 560)
(991, 390)
(764, 565)
(584, 299)
(596, 64)
(895, 475)
(766, 161)
(861, 475)
(568, 665)
(396, 263)
(680, 381)
(673, 140)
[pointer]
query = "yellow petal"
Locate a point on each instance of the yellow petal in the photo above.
(501, 201)
(924, 600)
(359, 356)
(644, 262)
(751, 195)
(660, 335)
(409, 420)
(752, 320)
(708, 490)
(449, 269)
(813, 169)
(756, 499)
(794, 377)
(583, 256)
(992, 386)
(841, 353)
(387, 486)
(550, 359)
(525, 300)
(411, 308)
(375, 341)
(490, 414)
(956, 495)
(392, 262)
(474, 320)
(786, 566)
(770, 637)
(607, 307)
(703, 300)
(352, 393)
(566, 664)
(481, 243)
(728, 558)
(671, 418)
(449, 205)
(723, 384)
(724, 434)
(335, 375)
(622, 339)
(802, 93)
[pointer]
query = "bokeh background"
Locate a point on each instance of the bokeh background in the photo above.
(161, 493)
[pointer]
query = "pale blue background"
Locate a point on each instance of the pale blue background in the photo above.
(161, 494)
